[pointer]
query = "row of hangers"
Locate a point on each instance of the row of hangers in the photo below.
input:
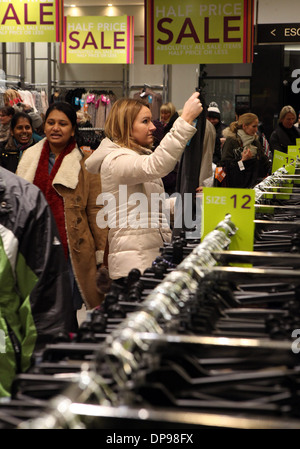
(193, 333)
(144, 360)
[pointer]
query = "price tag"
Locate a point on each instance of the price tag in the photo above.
(239, 203)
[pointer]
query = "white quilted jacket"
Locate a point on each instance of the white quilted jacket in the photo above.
(137, 226)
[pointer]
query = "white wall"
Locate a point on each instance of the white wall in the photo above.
(278, 11)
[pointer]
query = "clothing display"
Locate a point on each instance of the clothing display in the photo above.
(96, 102)
(190, 167)
(198, 340)
(153, 99)
(150, 333)
(37, 99)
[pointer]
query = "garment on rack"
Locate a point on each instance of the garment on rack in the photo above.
(99, 105)
(154, 99)
(36, 99)
(190, 166)
(89, 139)
(71, 96)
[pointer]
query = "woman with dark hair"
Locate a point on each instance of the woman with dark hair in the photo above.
(56, 166)
(128, 170)
(21, 138)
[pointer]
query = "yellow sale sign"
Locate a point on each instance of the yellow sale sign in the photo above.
(198, 32)
(31, 20)
(98, 40)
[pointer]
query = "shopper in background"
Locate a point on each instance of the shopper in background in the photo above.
(167, 111)
(168, 115)
(125, 161)
(21, 138)
(286, 133)
(243, 157)
(6, 114)
(56, 166)
(214, 116)
(207, 165)
(244, 109)
(36, 118)
(35, 290)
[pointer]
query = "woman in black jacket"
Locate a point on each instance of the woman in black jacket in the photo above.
(243, 157)
(21, 138)
(286, 133)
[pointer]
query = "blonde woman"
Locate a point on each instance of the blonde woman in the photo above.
(286, 132)
(167, 110)
(243, 157)
(130, 172)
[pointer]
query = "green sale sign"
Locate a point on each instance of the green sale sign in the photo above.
(239, 203)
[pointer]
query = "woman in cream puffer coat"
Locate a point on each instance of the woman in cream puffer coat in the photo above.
(131, 181)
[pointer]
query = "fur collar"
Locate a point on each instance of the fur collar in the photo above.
(67, 174)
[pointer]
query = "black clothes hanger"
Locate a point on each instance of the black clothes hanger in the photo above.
(185, 324)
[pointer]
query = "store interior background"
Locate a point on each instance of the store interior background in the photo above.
(266, 83)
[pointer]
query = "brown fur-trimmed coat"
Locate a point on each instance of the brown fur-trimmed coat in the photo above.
(79, 190)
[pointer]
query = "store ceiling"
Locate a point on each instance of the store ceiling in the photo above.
(82, 3)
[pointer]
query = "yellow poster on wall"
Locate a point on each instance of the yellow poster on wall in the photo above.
(31, 20)
(194, 32)
(98, 40)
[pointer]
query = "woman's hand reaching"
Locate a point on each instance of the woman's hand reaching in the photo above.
(192, 108)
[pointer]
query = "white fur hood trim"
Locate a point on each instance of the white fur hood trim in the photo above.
(67, 174)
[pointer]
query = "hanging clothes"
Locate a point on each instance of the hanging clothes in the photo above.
(154, 99)
(190, 165)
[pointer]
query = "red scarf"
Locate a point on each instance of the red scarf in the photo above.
(44, 180)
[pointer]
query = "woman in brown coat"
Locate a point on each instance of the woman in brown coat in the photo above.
(56, 166)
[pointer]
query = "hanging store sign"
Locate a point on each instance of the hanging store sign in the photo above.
(193, 32)
(278, 33)
(98, 40)
(31, 20)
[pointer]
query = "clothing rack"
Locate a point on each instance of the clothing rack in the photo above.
(220, 334)
(110, 84)
(164, 87)
(91, 129)
(141, 86)
(146, 319)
